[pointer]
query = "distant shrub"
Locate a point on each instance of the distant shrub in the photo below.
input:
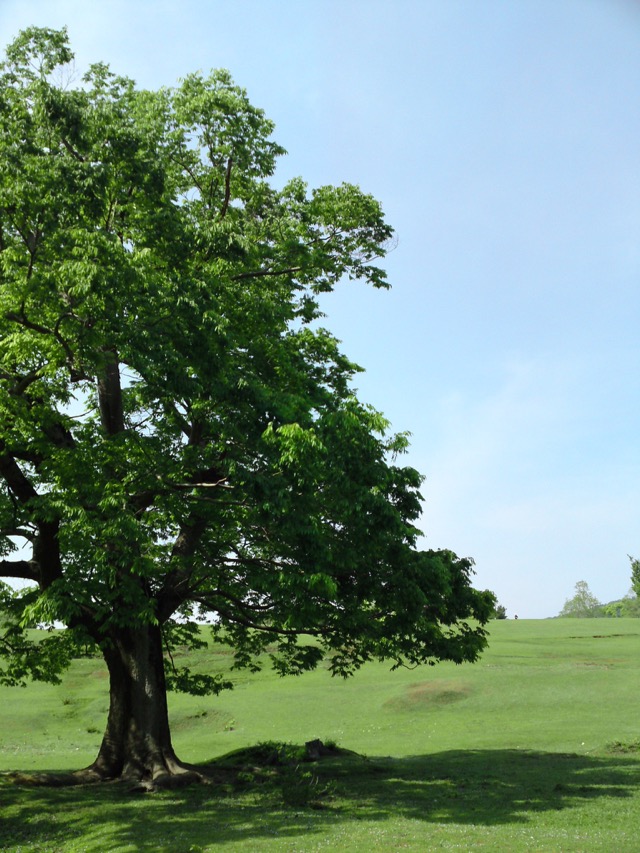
(629, 606)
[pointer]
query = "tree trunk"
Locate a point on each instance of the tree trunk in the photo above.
(137, 741)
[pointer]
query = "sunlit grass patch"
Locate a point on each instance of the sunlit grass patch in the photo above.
(532, 748)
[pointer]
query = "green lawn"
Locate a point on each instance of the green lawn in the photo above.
(536, 747)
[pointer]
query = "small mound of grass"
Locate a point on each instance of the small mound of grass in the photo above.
(266, 754)
(429, 693)
(278, 754)
(274, 766)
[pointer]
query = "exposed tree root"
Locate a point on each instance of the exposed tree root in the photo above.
(160, 781)
(173, 774)
(50, 780)
(169, 781)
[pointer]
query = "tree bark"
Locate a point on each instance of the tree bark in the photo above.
(110, 395)
(137, 742)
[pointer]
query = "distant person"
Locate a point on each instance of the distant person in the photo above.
(516, 616)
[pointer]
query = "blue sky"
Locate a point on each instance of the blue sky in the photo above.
(502, 138)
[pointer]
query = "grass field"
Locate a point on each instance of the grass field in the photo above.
(534, 748)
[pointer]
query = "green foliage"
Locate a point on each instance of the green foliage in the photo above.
(179, 439)
(635, 575)
(583, 604)
(499, 612)
(629, 606)
(25, 654)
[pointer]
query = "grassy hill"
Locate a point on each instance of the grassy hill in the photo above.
(536, 747)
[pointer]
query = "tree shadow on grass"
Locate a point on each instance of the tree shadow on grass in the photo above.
(481, 787)
(492, 787)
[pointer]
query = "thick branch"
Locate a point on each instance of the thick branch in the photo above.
(23, 569)
(21, 383)
(75, 154)
(13, 476)
(22, 320)
(176, 587)
(22, 532)
(46, 553)
(59, 435)
(33, 457)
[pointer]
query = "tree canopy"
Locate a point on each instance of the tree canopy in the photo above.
(179, 436)
(582, 604)
(628, 606)
(635, 575)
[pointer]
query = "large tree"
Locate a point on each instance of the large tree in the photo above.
(179, 437)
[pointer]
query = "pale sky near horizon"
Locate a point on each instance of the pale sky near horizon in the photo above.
(503, 139)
